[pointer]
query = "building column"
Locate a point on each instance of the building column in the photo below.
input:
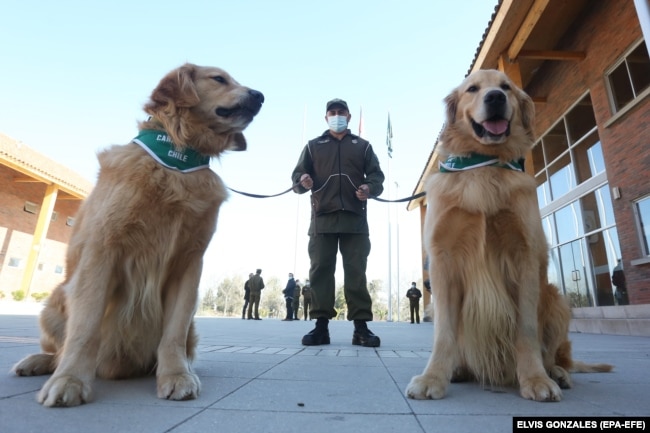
(40, 234)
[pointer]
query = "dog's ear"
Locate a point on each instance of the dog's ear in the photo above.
(238, 141)
(527, 109)
(175, 90)
(451, 102)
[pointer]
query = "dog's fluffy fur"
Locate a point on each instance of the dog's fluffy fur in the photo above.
(135, 256)
(497, 319)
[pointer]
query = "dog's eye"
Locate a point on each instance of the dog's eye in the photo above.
(505, 87)
(219, 79)
(472, 89)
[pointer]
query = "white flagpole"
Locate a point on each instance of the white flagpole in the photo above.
(389, 134)
(397, 242)
(390, 252)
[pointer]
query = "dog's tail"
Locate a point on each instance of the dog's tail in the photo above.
(564, 359)
(583, 367)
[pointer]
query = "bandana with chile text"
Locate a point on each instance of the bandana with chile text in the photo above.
(161, 148)
(475, 160)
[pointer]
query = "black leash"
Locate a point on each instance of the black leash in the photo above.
(400, 200)
(248, 194)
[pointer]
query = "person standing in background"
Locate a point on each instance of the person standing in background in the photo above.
(295, 306)
(247, 295)
(306, 299)
(413, 294)
(288, 297)
(256, 285)
(618, 279)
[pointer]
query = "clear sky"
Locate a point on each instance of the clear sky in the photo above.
(74, 76)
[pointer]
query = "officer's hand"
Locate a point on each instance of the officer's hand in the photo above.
(306, 181)
(363, 192)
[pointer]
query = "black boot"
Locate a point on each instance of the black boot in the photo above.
(362, 336)
(319, 335)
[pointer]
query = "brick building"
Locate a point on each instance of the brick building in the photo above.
(586, 66)
(38, 201)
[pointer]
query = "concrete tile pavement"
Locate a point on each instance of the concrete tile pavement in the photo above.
(256, 376)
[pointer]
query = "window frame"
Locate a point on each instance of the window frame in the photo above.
(617, 113)
(644, 244)
(598, 178)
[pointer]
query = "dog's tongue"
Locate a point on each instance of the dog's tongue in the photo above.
(495, 127)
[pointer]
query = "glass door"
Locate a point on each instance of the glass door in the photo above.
(576, 275)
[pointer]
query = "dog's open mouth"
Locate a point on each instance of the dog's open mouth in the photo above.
(248, 108)
(243, 110)
(492, 128)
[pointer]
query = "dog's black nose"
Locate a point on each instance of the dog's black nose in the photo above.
(494, 98)
(257, 96)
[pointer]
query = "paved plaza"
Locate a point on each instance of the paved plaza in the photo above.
(257, 377)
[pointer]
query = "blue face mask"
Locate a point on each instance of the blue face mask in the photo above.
(337, 123)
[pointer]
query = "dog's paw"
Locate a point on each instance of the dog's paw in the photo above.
(35, 365)
(426, 387)
(561, 377)
(179, 386)
(540, 388)
(64, 391)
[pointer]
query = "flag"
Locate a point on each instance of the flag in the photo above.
(360, 121)
(389, 138)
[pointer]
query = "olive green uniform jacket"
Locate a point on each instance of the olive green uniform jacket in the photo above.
(338, 168)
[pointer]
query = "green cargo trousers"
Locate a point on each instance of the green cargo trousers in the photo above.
(323, 249)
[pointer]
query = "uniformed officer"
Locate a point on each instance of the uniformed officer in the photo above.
(342, 172)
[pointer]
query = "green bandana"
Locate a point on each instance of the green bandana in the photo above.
(161, 148)
(475, 160)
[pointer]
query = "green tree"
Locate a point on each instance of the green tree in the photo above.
(340, 305)
(272, 302)
(229, 297)
(208, 304)
(379, 307)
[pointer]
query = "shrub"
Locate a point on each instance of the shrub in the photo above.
(18, 295)
(38, 297)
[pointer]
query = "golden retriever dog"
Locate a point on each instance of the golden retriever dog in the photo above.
(135, 255)
(497, 319)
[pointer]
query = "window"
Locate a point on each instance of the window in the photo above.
(58, 269)
(543, 190)
(69, 221)
(569, 223)
(630, 77)
(568, 154)
(642, 208)
(549, 230)
(562, 177)
(584, 248)
(576, 207)
(14, 262)
(580, 120)
(603, 200)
